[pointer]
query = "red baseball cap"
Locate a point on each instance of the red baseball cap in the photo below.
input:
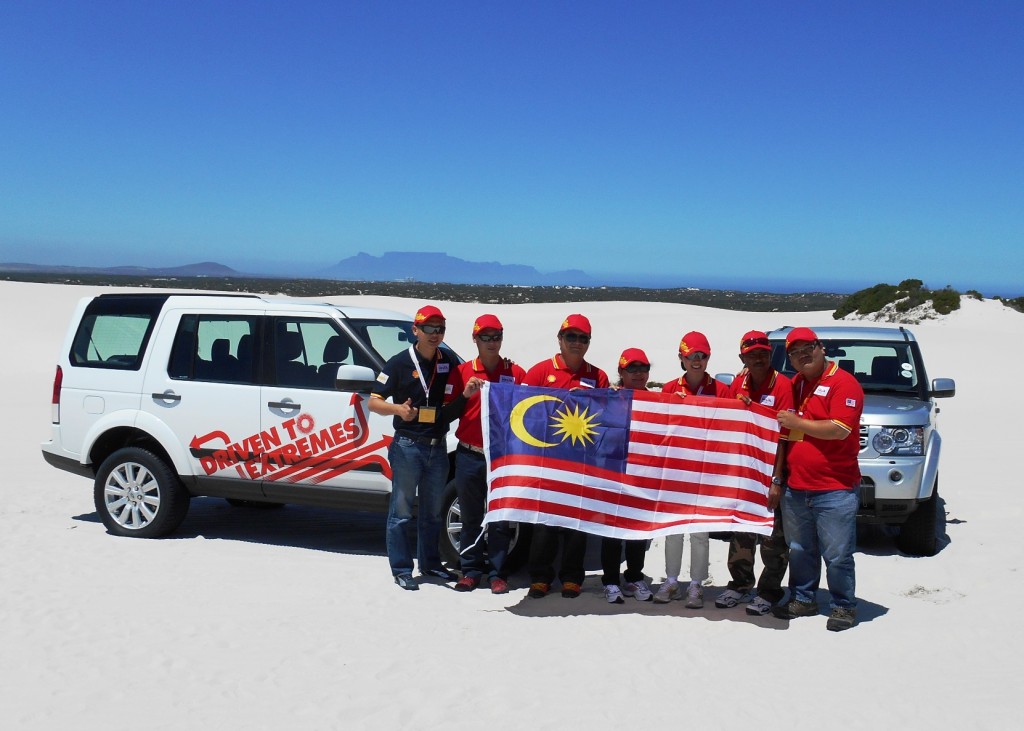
(633, 355)
(800, 334)
(754, 340)
(694, 342)
(575, 322)
(487, 322)
(426, 312)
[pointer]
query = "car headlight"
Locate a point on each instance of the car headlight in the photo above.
(907, 440)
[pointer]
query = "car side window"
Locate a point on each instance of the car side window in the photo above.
(308, 352)
(216, 348)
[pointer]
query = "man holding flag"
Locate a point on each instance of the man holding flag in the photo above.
(568, 369)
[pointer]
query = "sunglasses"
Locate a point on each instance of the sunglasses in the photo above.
(575, 338)
(637, 368)
(751, 342)
(801, 351)
(489, 338)
(693, 357)
(432, 329)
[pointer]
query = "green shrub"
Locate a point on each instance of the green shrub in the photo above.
(909, 294)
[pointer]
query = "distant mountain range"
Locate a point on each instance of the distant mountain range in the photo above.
(392, 266)
(420, 266)
(203, 269)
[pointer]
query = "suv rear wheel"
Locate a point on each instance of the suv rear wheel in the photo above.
(451, 533)
(137, 494)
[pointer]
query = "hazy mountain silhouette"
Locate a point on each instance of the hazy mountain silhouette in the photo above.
(419, 266)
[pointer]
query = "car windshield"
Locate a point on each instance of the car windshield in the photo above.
(878, 365)
(389, 337)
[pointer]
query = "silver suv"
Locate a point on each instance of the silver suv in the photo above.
(162, 397)
(899, 441)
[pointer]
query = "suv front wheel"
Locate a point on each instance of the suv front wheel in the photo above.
(918, 534)
(137, 494)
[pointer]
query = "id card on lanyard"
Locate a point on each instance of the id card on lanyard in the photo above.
(427, 414)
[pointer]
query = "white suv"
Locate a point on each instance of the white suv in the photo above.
(899, 439)
(162, 397)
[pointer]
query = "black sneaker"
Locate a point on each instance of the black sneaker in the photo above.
(795, 608)
(443, 574)
(841, 618)
(406, 581)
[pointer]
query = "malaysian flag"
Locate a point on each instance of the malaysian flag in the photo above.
(627, 464)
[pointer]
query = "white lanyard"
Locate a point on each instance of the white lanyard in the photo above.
(419, 371)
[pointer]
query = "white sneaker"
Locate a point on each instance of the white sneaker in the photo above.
(669, 591)
(730, 598)
(759, 607)
(694, 596)
(638, 590)
(613, 594)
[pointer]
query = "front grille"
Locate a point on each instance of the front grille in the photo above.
(863, 438)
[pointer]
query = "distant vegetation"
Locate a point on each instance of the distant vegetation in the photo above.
(903, 297)
(484, 294)
(1016, 303)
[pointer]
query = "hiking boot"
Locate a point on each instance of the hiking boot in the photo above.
(613, 594)
(538, 590)
(638, 590)
(570, 589)
(467, 583)
(759, 607)
(407, 582)
(694, 596)
(730, 598)
(499, 586)
(669, 591)
(841, 618)
(795, 608)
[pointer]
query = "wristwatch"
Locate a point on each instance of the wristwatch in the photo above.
(777, 481)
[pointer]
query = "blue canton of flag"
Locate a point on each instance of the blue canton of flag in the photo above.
(590, 427)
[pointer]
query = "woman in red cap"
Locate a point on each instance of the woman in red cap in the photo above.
(694, 353)
(634, 370)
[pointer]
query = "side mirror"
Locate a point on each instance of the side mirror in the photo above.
(356, 379)
(943, 387)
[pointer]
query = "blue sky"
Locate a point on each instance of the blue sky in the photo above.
(812, 145)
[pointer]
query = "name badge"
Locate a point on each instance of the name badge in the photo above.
(427, 414)
(821, 391)
(506, 379)
(588, 382)
(768, 400)
(447, 388)
(442, 367)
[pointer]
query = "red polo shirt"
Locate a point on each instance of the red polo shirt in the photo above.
(469, 429)
(827, 464)
(708, 387)
(776, 393)
(554, 373)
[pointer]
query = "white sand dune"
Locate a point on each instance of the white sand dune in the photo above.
(289, 619)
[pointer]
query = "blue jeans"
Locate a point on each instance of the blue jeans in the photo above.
(821, 525)
(471, 486)
(415, 465)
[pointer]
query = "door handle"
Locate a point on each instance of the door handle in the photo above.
(167, 396)
(283, 405)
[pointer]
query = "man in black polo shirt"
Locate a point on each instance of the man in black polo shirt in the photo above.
(416, 381)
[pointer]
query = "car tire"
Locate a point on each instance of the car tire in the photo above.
(451, 532)
(918, 534)
(137, 494)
